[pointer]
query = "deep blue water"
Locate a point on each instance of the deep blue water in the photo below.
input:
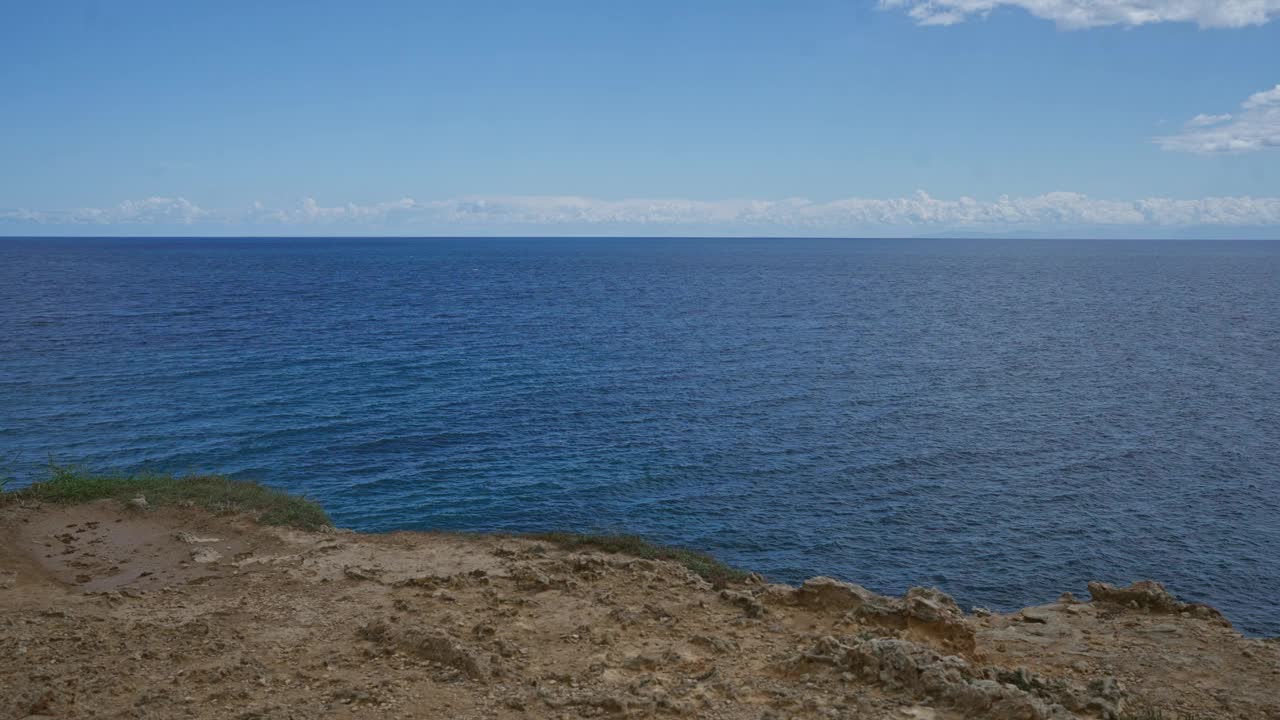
(1002, 419)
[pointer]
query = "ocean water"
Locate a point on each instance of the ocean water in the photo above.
(1002, 419)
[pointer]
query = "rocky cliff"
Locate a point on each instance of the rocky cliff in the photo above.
(175, 612)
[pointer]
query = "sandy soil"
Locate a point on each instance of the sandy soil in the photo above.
(173, 613)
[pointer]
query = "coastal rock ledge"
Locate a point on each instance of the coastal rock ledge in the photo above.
(109, 610)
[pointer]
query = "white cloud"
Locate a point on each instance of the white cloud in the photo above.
(1264, 99)
(1203, 120)
(151, 211)
(1257, 127)
(917, 211)
(311, 211)
(1077, 14)
(920, 212)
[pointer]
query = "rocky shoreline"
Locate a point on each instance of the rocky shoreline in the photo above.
(114, 611)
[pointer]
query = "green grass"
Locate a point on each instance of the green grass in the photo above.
(69, 485)
(1155, 715)
(212, 492)
(710, 569)
(6, 467)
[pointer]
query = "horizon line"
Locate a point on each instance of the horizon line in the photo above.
(978, 236)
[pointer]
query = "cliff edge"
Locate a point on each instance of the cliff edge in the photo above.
(133, 610)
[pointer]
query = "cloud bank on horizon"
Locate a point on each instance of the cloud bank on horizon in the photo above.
(538, 214)
(1080, 14)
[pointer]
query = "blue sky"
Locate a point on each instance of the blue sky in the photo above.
(824, 117)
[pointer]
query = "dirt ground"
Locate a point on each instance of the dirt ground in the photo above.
(107, 611)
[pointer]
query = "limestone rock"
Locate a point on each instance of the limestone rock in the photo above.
(901, 665)
(1152, 596)
(205, 555)
(824, 593)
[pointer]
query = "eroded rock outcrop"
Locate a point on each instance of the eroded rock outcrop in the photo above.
(434, 646)
(925, 614)
(951, 681)
(1151, 596)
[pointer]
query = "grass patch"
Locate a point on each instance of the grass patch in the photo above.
(707, 567)
(1157, 715)
(211, 492)
(6, 468)
(216, 493)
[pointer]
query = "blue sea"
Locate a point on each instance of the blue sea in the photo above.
(1003, 419)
